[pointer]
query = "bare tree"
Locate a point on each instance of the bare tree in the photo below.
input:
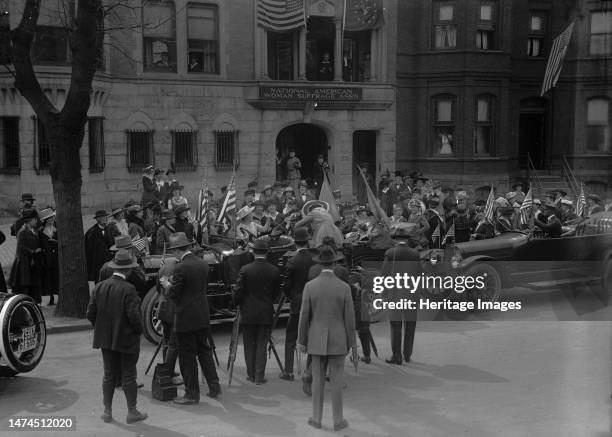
(64, 130)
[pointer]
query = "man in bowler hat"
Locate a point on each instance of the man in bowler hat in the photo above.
(187, 289)
(114, 311)
(257, 289)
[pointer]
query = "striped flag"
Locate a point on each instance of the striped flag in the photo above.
(201, 213)
(581, 203)
(139, 243)
(490, 206)
(281, 15)
(229, 205)
(555, 59)
(526, 208)
(163, 260)
(436, 233)
(450, 233)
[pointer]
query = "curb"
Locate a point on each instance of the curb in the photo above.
(62, 329)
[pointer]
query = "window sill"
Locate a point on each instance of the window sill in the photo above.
(10, 171)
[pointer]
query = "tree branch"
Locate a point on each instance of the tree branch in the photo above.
(25, 78)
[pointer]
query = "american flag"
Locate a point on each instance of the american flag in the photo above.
(526, 208)
(229, 204)
(163, 260)
(490, 206)
(201, 213)
(436, 233)
(581, 203)
(555, 59)
(450, 233)
(139, 243)
(281, 15)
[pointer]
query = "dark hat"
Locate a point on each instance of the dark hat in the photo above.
(300, 235)
(404, 231)
(433, 202)
(252, 184)
(28, 214)
(158, 171)
(123, 260)
(422, 178)
(46, 214)
(399, 173)
(224, 188)
(278, 184)
(594, 197)
(326, 255)
(560, 191)
(170, 170)
(180, 209)
(176, 186)
(122, 242)
(116, 211)
(249, 193)
(27, 197)
(446, 189)
(209, 193)
(168, 214)
(260, 245)
(100, 213)
(178, 240)
(149, 169)
(480, 202)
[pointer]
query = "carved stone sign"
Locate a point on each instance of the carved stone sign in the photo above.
(310, 93)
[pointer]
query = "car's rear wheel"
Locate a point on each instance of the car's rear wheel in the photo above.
(492, 282)
(151, 325)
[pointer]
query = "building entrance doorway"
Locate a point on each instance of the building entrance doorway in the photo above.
(532, 134)
(308, 141)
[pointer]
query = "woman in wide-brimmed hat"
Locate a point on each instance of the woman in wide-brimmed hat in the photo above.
(48, 243)
(26, 272)
(316, 214)
(247, 229)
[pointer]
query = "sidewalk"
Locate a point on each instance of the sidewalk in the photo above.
(7, 255)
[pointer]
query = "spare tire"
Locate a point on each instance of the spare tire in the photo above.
(23, 334)
(151, 325)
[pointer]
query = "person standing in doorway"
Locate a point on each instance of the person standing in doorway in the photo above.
(294, 170)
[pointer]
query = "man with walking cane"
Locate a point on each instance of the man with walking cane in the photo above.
(187, 289)
(257, 288)
(297, 270)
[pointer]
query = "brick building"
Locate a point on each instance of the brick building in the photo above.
(469, 76)
(198, 85)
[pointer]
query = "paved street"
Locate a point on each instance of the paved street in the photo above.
(467, 378)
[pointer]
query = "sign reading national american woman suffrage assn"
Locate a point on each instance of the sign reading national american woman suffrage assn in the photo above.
(310, 93)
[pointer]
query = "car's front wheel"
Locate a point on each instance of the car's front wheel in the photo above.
(491, 291)
(151, 325)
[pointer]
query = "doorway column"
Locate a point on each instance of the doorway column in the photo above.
(338, 51)
(302, 54)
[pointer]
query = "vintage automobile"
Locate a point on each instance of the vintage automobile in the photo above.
(23, 335)
(530, 260)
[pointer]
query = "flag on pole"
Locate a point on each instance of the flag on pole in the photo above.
(202, 211)
(281, 15)
(450, 233)
(229, 204)
(327, 196)
(373, 201)
(581, 203)
(490, 206)
(526, 208)
(436, 233)
(163, 259)
(139, 243)
(555, 59)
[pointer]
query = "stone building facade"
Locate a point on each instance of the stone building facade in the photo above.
(201, 87)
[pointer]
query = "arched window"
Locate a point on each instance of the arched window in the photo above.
(598, 125)
(227, 156)
(443, 123)
(140, 151)
(184, 149)
(159, 35)
(484, 128)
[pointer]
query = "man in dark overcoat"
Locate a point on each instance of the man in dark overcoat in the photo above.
(98, 241)
(187, 289)
(399, 260)
(135, 276)
(149, 187)
(114, 311)
(296, 276)
(257, 288)
(26, 271)
(27, 202)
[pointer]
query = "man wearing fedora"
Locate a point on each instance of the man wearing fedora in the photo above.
(296, 276)
(182, 223)
(548, 220)
(187, 289)
(135, 276)
(27, 202)
(114, 311)
(257, 288)
(594, 204)
(149, 188)
(98, 241)
(401, 259)
(167, 228)
(326, 332)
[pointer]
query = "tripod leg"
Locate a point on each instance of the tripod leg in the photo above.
(154, 355)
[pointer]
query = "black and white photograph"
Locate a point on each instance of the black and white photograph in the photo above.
(255, 218)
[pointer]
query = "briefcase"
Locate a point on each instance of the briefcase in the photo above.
(162, 387)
